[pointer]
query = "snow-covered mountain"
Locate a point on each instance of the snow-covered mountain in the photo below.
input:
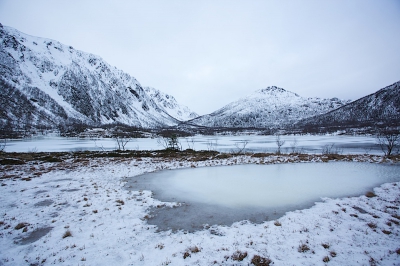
(170, 105)
(379, 108)
(45, 83)
(271, 107)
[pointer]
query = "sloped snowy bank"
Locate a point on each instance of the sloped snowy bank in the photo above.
(82, 216)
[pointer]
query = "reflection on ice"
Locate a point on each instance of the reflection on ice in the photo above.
(223, 195)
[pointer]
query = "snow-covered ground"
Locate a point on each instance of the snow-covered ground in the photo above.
(77, 213)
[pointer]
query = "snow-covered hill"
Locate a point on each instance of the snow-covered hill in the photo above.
(379, 108)
(170, 105)
(45, 83)
(271, 107)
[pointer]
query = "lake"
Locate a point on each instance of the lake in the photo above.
(305, 143)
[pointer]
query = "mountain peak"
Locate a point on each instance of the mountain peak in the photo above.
(274, 90)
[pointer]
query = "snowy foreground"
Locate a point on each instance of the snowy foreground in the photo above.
(81, 215)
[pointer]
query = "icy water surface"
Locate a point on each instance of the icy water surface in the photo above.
(226, 194)
(304, 144)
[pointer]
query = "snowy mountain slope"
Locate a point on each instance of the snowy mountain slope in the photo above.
(58, 84)
(381, 107)
(271, 107)
(170, 105)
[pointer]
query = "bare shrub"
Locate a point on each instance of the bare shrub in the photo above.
(191, 250)
(371, 225)
(195, 249)
(293, 146)
(240, 147)
(120, 202)
(212, 145)
(325, 245)
(326, 259)
(190, 143)
(121, 142)
(303, 248)
(3, 144)
(67, 234)
(277, 223)
(330, 149)
(388, 140)
(279, 142)
(239, 256)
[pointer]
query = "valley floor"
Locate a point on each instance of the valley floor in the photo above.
(76, 212)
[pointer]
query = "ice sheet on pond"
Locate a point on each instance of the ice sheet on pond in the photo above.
(223, 195)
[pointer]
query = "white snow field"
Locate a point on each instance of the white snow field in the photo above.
(78, 213)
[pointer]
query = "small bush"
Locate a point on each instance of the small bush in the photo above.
(120, 202)
(326, 246)
(277, 223)
(326, 259)
(195, 249)
(333, 254)
(239, 256)
(371, 225)
(303, 248)
(261, 261)
(370, 194)
(386, 232)
(67, 234)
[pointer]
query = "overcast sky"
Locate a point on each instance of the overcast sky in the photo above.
(209, 53)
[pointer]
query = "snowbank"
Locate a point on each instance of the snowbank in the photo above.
(83, 216)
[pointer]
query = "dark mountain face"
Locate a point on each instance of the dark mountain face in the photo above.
(379, 108)
(48, 84)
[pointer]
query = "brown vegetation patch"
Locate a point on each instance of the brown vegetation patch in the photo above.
(67, 234)
(260, 261)
(20, 226)
(370, 194)
(303, 248)
(371, 225)
(239, 256)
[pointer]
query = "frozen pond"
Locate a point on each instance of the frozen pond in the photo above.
(305, 144)
(226, 194)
